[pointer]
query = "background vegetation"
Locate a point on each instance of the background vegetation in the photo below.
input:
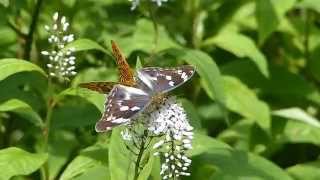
(254, 102)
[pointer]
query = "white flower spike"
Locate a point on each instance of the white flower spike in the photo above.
(62, 61)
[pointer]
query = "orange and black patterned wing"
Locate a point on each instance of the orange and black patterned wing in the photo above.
(126, 73)
(101, 87)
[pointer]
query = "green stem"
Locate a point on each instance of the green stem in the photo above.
(46, 130)
(306, 34)
(141, 151)
(155, 26)
(32, 28)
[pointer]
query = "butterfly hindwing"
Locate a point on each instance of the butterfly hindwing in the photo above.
(122, 104)
(162, 80)
(101, 87)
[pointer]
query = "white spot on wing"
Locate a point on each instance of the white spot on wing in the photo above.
(184, 76)
(124, 108)
(120, 120)
(168, 78)
(135, 108)
(171, 83)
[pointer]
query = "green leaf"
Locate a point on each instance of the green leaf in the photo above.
(306, 171)
(61, 145)
(120, 158)
(269, 15)
(138, 63)
(203, 143)
(86, 44)
(266, 18)
(22, 109)
(206, 68)
(242, 100)
(75, 112)
(227, 164)
(192, 113)
(93, 97)
(5, 3)
(91, 163)
(144, 38)
(147, 168)
(15, 161)
(241, 46)
(282, 84)
(310, 4)
(299, 132)
(298, 114)
(11, 66)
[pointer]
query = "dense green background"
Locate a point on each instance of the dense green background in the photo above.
(254, 101)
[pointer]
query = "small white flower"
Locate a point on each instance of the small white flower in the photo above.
(55, 16)
(135, 3)
(126, 135)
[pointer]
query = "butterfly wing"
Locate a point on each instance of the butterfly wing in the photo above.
(101, 87)
(125, 72)
(122, 104)
(162, 80)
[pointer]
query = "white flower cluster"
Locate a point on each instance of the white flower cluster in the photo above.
(171, 121)
(135, 3)
(61, 60)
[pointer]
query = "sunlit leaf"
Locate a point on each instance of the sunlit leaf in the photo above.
(306, 171)
(11, 66)
(241, 46)
(22, 109)
(15, 161)
(92, 162)
(120, 158)
(242, 100)
(206, 68)
(86, 44)
(297, 114)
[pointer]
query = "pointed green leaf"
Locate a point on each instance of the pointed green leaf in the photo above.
(242, 100)
(206, 68)
(15, 161)
(297, 114)
(22, 109)
(11, 66)
(86, 44)
(306, 171)
(241, 46)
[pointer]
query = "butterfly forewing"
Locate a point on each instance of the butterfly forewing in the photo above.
(122, 104)
(162, 80)
(125, 72)
(101, 87)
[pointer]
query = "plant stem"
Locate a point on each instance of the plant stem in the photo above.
(306, 34)
(32, 28)
(46, 130)
(141, 151)
(155, 26)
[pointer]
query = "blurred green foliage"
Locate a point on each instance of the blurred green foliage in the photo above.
(254, 102)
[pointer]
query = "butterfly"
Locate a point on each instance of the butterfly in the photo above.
(124, 102)
(125, 72)
(131, 95)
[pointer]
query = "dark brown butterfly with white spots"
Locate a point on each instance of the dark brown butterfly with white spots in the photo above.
(132, 94)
